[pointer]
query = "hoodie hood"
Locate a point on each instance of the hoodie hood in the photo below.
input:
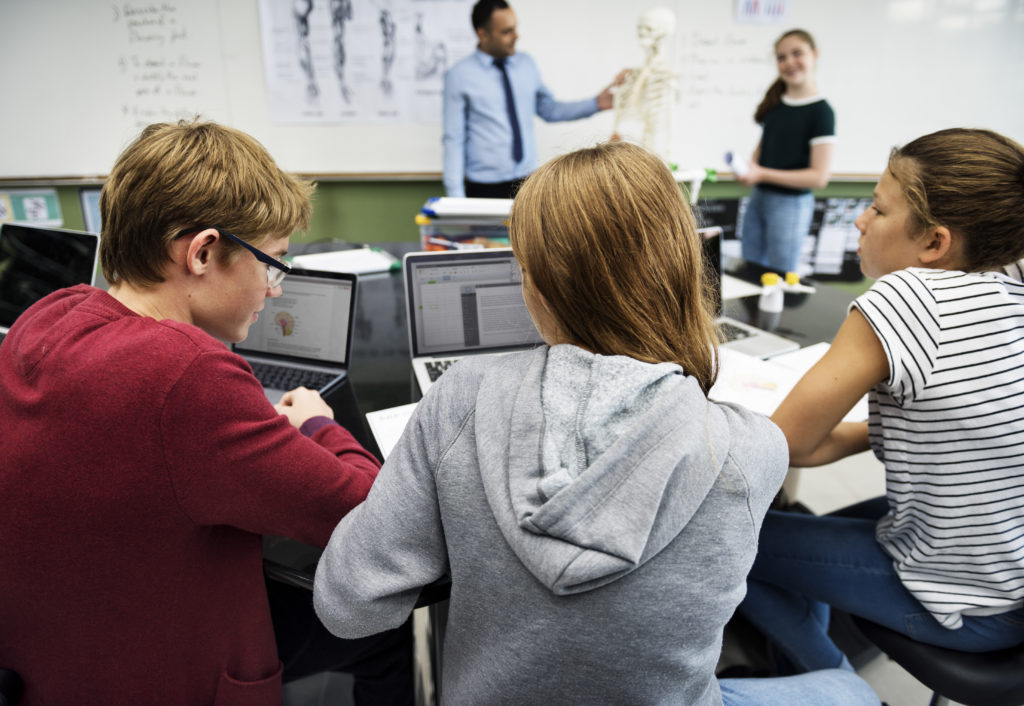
(624, 455)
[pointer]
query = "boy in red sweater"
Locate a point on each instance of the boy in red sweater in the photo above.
(142, 461)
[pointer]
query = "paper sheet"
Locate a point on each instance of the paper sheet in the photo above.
(761, 385)
(358, 261)
(387, 426)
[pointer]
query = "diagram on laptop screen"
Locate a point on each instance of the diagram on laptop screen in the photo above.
(310, 319)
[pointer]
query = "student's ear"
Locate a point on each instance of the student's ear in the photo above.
(939, 249)
(199, 253)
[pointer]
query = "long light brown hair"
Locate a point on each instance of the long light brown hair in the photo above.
(606, 237)
(970, 181)
(774, 94)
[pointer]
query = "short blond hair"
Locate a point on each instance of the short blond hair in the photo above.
(607, 238)
(192, 174)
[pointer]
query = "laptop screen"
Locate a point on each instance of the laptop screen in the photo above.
(466, 301)
(37, 261)
(311, 320)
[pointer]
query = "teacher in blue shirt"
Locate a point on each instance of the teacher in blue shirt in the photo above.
(490, 98)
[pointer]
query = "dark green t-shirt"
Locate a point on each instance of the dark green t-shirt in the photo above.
(789, 130)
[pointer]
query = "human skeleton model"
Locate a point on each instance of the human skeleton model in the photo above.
(649, 93)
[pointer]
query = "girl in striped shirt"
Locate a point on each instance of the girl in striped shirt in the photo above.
(938, 345)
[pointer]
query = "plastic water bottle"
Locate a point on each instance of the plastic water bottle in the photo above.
(769, 304)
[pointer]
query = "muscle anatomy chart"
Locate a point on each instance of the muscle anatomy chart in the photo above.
(366, 61)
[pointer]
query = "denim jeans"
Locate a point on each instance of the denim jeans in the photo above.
(805, 563)
(836, 687)
(774, 228)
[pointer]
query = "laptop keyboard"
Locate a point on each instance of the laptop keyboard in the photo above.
(730, 332)
(436, 367)
(280, 377)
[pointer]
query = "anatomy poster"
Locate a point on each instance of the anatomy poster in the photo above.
(361, 61)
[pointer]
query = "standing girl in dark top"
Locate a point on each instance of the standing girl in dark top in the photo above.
(793, 156)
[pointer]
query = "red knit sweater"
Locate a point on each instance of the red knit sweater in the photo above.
(139, 464)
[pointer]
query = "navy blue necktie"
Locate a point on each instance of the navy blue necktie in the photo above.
(513, 119)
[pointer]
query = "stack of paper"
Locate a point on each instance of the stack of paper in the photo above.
(451, 207)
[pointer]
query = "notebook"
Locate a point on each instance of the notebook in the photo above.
(303, 337)
(463, 302)
(737, 335)
(37, 261)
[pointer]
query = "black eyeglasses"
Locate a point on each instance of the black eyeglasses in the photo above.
(276, 270)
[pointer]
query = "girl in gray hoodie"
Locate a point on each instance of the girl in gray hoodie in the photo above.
(596, 513)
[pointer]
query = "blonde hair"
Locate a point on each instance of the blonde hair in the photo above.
(971, 182)
(608, 240)
(192, 174)
(773, 96)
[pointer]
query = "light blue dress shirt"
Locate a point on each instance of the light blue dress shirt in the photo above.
(477, 136)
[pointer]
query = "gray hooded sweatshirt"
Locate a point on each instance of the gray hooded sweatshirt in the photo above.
(597, 516)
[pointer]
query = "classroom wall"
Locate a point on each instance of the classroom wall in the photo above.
(81, 77)
(383, 211)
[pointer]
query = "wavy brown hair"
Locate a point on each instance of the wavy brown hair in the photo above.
(192, 174)
(607, 238)
(774, 95)
(970, 181)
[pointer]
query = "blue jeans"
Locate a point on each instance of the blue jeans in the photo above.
(774, 227)
(805, 563)
(836, 687)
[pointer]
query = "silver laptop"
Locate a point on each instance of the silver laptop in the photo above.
(304, 337)
(737, 335)
(463, 302)
(37, 261)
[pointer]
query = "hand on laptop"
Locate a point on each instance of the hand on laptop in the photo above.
(301, 404)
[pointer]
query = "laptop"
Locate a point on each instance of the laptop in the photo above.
(37, 261)
(737, 335)
(304, 337)
(463, 302)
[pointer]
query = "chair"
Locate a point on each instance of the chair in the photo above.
(970, 678)
(11, 687)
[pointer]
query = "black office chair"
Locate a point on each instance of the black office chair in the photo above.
(970, 678)
(11, 687)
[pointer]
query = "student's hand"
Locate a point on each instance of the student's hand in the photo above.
(302, 404)
(753, 175)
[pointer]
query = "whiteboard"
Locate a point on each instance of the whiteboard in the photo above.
(79, 79)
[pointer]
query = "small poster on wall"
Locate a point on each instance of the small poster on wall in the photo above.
(762, 12)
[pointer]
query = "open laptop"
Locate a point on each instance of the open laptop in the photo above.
(463, 302)
(737, 335)
(304, 337)
(36, 261)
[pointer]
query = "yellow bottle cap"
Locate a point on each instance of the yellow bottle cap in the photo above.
(769, 278)
(422, 219)
(792, 278)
